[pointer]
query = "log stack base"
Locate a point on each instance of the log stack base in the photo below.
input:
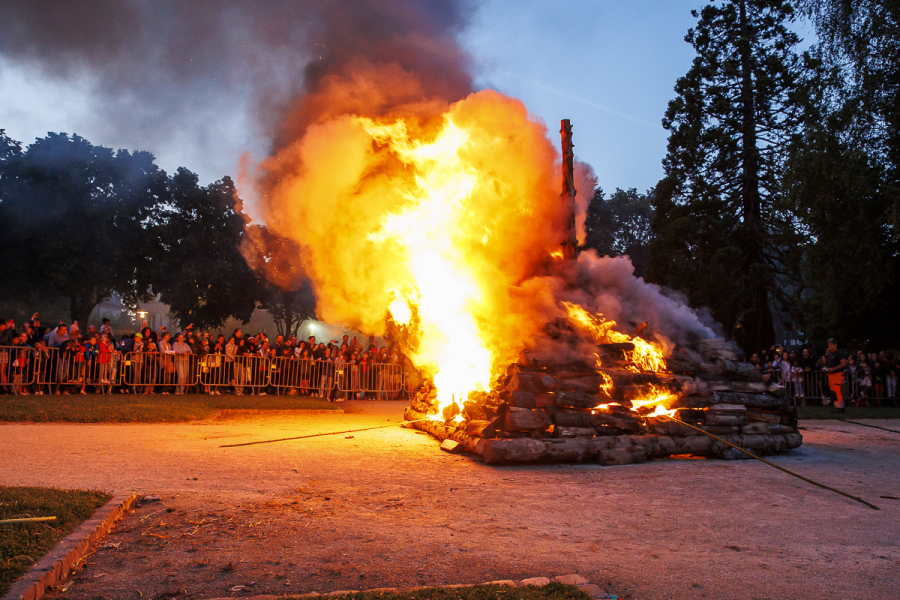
(605, 450)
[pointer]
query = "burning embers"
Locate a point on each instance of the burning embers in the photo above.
(618, 409)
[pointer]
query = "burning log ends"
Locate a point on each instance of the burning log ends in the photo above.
(575, 443)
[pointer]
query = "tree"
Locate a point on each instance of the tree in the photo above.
(621, 225)
(194, 254)
(288, 296)
(860, 39)
(73, 216)
(842, 196)
(725, 235)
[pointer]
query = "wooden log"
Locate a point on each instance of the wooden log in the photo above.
(750, 400)
(571, 432)
(750, 387)
(620, 377)
(762, 417)
(755, 428)
(525, 419)
(522, 399)
(714, 418)
(580, 399)
(545, 400)
(721, 430)
(728, 408)
(577, 450)
(777, 428)
(572, 418)
(669, 427)
(443, 432)
(590, 385)
(521, 450)
(621, 421)
(449, 445)
(530, 381)
(481, 428)
(622, 456)
(631, 424)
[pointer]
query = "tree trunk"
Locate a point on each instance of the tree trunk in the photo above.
(757, 316)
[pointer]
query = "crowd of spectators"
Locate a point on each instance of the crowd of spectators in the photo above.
(868, 378)
(149, 362)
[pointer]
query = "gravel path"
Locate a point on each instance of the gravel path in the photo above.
(387, 508)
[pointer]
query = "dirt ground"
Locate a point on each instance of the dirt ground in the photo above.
(387, 508)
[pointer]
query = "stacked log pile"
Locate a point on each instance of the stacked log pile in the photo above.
(545, 411)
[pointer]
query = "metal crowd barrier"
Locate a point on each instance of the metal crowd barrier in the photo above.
(16, 368)
(384, 379)
(813, 386)
(23, 369)
(144, 371)
(248, 371)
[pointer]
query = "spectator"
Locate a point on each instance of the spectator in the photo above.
(182, 362)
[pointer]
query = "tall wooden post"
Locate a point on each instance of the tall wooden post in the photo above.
(570, 243)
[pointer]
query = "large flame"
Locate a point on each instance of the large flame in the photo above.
(435, 220)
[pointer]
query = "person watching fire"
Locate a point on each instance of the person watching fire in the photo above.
(835, 364)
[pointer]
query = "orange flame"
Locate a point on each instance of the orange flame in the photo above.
(646, 356)
(660, 398)
(430, 218)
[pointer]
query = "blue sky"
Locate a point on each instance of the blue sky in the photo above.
(609, 66)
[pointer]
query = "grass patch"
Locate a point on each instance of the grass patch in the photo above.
(23, 544)
(552, 591)
(129, 408)
(852, 412)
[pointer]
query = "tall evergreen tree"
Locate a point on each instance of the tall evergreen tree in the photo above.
(843, 174)
(621, 224)
(724, 234)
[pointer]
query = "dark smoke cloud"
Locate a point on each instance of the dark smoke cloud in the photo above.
(167, 68)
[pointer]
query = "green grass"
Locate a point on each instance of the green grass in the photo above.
(128, 408)
(552, 591)
(23, 544)
(852, 412)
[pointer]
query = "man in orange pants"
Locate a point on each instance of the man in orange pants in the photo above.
(835, 363)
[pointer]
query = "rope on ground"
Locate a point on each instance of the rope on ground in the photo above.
(315, 435)
(28, 520)
(867, 425)
(797, 475)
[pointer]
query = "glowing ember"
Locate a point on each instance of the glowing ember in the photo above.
(658, 397)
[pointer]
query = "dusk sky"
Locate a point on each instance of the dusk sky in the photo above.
(608, 66)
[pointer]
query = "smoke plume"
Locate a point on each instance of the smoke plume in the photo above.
(185, 74)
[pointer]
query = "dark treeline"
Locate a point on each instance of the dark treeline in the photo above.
(81, 222)
(779, 205)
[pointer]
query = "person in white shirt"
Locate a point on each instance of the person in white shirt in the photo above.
(183, 355)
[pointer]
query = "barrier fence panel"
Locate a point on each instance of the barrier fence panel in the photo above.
(249, 374)
(215, 371)
(68, 369)
(145, 371)
(813, 386)
(383, 379)
(16, 368)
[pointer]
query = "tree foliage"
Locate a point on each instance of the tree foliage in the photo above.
(621, 225)
(725, 234)
(194, 254)
(843, 174)
(73, 216)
